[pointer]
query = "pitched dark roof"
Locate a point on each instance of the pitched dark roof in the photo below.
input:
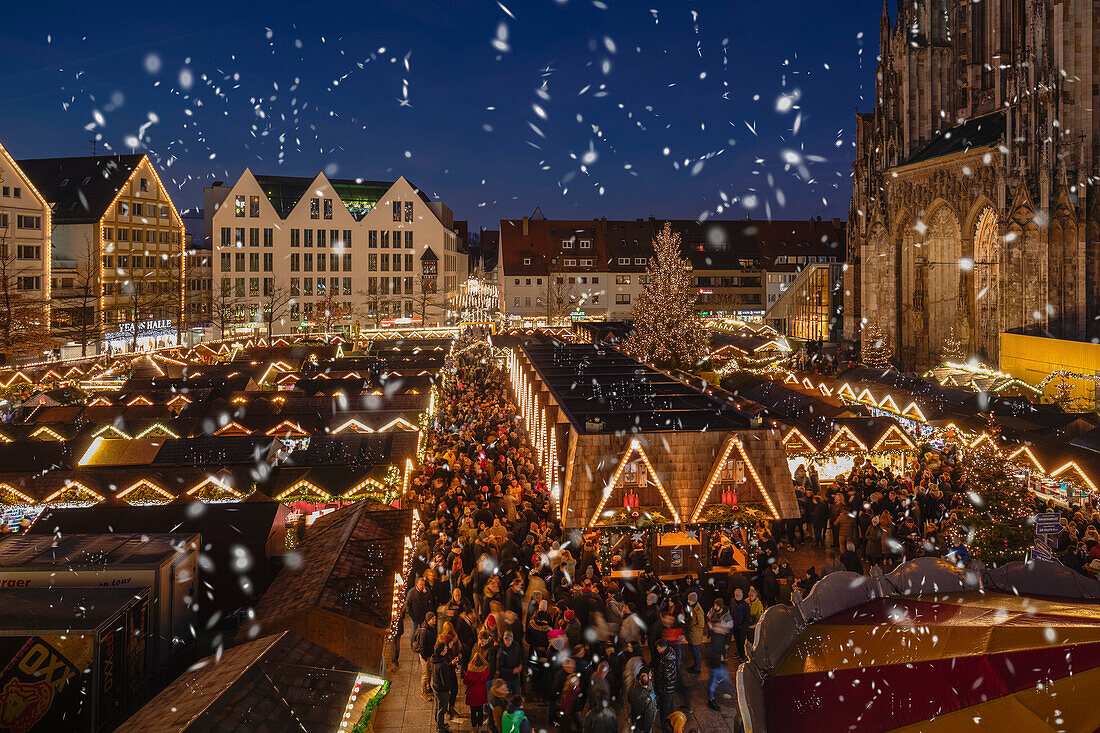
(278, 682)
(978, 132)
(80, 189)
(595, 383)
(428, 254)
(349, 558)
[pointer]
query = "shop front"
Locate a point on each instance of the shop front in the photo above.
(150, 335)
(891, 449)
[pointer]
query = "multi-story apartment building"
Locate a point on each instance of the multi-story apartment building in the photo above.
(549, 270)
(116, 230)
(368, 252)
(24, 241)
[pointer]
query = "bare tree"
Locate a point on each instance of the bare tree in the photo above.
(559, 297)
(177, 296)
(426, 298)
(24, 327)
(75, 300)
(147, 299)
(368, 306)
(225, 309)
(329, 312)
(274, 303)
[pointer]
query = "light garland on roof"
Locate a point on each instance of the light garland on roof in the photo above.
(635, 446)
(713, 479)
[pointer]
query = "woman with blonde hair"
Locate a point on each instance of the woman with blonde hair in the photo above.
(476, 680)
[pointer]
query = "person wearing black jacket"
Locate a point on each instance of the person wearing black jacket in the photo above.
(666, 680)
(428, 635)
(510, 662)
(418, 602)
(819, 515)
(444, 681)
(769, 585)
(643, 703)
(850, 560)
(742, 618)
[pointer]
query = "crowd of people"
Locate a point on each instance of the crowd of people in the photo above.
(513, 611)
(874, 516)
(516, 613)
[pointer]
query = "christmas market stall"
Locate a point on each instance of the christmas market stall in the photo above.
(339, 595)
(834, 447)
(635, 453)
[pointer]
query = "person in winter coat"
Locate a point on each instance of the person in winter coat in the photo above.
(477, 694)
(643, 702)
(666, 680)
(444, 681)
(769, 585)
(630, 632)
(874, 542)
(514, 720)
(498, 703)
(427, 637)
(510, 662)
(819, 517)
(696, 631)
(845, 528)
(418, 602)
(721, 626)
(718, 675)
(741, 618)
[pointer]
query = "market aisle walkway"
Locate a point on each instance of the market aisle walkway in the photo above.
(405, 710)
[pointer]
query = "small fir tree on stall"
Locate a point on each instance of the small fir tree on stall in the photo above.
(667, 328)
(875, 347)
(1063, 395)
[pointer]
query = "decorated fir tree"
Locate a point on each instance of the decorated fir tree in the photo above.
(1063, 395)
(875, 347)
(996, 524)
(667, 327)
(951, 352)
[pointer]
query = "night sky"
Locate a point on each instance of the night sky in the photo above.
(616, 108)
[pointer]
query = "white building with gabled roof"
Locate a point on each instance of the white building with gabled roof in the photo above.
(361, 250)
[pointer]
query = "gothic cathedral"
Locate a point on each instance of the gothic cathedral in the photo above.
(975, 206)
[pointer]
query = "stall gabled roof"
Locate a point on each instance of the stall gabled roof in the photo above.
(274, 683)
(590, 382)
(349, 559)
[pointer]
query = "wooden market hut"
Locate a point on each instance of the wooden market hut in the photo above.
(614, 434)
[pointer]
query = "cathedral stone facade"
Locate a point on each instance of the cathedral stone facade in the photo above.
(974, 208)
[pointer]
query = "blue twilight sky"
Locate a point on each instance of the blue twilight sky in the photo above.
(616, 108)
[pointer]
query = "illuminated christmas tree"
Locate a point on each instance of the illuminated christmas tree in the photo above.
(995, 526)
(875, 347)
(952, 349)
(667, 327)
